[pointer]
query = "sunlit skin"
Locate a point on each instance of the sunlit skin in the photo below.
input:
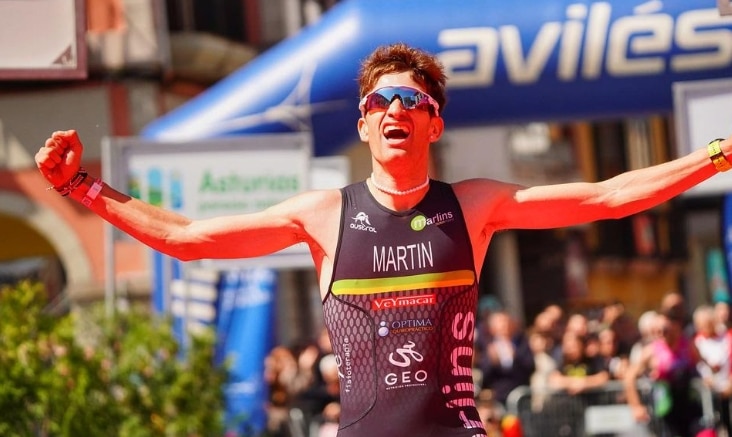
(395, 160)
(399, 163)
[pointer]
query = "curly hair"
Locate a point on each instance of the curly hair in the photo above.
(397, 58)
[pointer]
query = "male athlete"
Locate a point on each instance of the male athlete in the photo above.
(397, 255)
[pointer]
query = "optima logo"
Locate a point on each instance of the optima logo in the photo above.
(409, 326)
(420, 222)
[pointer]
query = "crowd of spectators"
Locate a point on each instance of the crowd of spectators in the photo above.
(573, 353)
(581, 352)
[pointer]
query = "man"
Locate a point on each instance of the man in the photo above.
(670, 362)
(397, 255)
(506, 361)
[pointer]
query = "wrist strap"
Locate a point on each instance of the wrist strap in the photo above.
(93, 192)
(73, 183)
(717, 156)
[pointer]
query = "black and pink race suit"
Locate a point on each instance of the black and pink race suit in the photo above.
(400, 312)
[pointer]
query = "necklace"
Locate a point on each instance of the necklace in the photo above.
(399, 192)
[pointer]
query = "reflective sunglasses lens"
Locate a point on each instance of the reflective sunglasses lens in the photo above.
(377, 101)
(410, 98)
(418, 100)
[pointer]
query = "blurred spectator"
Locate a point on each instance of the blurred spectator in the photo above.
(670, 363)
(487, 305)
(611, 313)
(329, 395)
(555, 318)
(490, 413)
(316, 393)
(714, 364)
(674, 303)
(541, 345)
(613, 361)
(281, 376)
(626, 330)
(721, 311)
(563, 413)
(649, 329)
(329, 424)
(592, 345)
(507, 361)
(576, 372)
(546, 325)
(578, 324)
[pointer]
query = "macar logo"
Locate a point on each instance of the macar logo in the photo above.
(361, 223)
(385, 303)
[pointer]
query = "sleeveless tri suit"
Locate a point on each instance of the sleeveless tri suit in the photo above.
(400, 312)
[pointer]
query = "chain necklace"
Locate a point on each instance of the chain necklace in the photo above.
(399, 192)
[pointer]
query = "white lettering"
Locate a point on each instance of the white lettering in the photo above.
(470, 67)
(571, 43)
(598, 24)
(522, 70)
(695, 32)
(402, 258)
(406, 378)
(345, 366)
(640, 44)
(633, 37)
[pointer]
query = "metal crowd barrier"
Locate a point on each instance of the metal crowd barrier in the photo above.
(601, 412)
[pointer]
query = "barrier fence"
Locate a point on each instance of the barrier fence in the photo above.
(601, 412)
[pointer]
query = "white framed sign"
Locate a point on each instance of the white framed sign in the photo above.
(42, 39)
(214, 177)
(702, 113)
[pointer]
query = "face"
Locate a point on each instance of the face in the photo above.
(721, 312)
(607, 342)
(572, 347)
(395, 132)
(704, 324)
(500, 325)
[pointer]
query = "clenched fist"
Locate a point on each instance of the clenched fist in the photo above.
(60, 157)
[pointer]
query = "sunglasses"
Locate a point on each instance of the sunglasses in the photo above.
(411, 98)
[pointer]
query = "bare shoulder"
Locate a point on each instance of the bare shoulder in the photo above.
(319, 218)
(311, 207)
(318, 213)
(481, 196)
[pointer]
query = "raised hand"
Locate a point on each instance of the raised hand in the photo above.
(60, 157)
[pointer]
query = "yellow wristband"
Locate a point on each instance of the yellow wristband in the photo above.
(717, 156)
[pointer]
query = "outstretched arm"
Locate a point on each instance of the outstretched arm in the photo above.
(239, 236)
(508, 206)
(630, 381)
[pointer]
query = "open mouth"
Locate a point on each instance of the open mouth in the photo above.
(395, 133)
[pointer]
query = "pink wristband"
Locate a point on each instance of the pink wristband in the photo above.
(93, 192)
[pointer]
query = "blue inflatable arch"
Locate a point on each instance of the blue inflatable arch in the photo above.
(507, 61)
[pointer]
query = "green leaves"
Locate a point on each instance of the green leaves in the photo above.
(85, 375)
